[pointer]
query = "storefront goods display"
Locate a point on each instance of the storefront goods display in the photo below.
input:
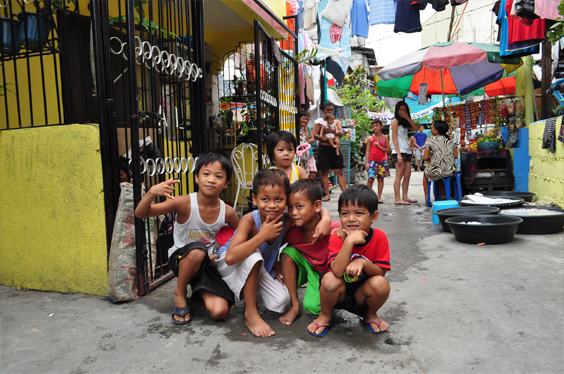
(449, 68)
(538, 220)
(492, 228)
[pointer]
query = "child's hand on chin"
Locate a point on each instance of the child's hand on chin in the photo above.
(356, 237)
(271, 227)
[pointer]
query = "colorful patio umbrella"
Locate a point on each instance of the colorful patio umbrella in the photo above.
(505, 86)
(447, 68)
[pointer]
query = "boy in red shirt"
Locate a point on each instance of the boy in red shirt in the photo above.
(358, 264)
(304, 260)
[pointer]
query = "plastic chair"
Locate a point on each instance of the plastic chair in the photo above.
(244, 172)
(446, 181)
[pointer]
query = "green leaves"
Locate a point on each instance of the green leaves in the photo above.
(556, 32)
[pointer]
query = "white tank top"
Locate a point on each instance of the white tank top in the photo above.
(195, 229)
(402, 141)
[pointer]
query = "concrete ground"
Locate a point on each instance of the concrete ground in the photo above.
(454, 308)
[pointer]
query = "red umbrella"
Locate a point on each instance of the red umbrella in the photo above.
(505, 86)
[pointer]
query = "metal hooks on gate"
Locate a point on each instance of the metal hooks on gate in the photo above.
(162, 61)
(168, 165)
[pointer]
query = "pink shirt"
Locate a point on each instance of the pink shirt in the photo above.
(376, 154)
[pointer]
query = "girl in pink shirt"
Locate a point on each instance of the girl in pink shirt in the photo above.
(377, 148)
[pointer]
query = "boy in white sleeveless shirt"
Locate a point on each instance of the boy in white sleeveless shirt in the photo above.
(199, 216)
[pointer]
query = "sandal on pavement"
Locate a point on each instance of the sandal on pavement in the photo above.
(317, 326)
(367, 324)
(181, 312)
(326, 198)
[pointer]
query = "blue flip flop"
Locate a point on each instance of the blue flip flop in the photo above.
(367, 324)
(318, 325)
(181, 312)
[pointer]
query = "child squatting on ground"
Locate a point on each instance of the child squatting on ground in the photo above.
(199, 216)
(330, 137)
(281, 149)
(377, 148)
(248, 263)
(359, 257)
(304, 260)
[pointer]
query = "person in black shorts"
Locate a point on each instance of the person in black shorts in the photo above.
(327, 155)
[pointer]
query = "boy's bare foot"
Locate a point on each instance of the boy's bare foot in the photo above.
(319, 325)
(257, 326)
(410, 200)
(290, 317)
(181, 302)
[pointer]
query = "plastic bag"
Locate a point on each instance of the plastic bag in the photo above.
(122, 266)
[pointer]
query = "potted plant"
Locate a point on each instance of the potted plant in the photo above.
(239, 84)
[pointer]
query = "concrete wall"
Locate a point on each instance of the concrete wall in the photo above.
(546, 177)
(52, 228)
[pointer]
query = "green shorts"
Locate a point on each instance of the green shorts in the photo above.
(306, 274)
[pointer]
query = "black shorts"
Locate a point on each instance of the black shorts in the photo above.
(328, 159)
(405, 156)
(207, 278)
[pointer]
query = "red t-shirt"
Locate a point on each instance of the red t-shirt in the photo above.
(376, 248)
(376, 154)
(317, 253)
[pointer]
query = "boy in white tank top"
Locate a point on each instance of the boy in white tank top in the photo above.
(199, 216)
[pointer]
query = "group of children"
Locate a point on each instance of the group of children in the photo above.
(343, 264)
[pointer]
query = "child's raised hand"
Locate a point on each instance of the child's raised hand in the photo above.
(321, 231)
(356, 237)
(165, 188)
(341, 234)
(271, 228)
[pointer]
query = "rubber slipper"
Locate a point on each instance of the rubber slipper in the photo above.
(412, 201)
(181, 312)
(367, 324)
(325, 198)
(402, 203)
(318, 325)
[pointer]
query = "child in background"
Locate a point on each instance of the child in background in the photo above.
(281, 149)
(377, 148)
(330, 137)
(124, 171)
(420, 139)
(307, 138)
(363, 257)
(247, 261)
(199, 216)
(311, 165)
(304, 260)
(441, 152)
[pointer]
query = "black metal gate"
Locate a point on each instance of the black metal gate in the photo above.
(150, 86)
(276, 78)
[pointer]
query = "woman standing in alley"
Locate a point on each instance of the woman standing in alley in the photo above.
(401, 154)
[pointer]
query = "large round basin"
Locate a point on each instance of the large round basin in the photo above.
(443, 214)
(485, 228)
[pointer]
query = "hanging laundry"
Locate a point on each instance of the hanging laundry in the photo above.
(407, 17)
(438, 5)
(300, 14)
(359, 19)
(310, 14)
(381, 12)
(518, 32)
(504, 38)
(334, 41)
(549, 136)
(337, 11)
(310, 92)
(547, 9)
(302, 82)
(291, 9)
(525, 9)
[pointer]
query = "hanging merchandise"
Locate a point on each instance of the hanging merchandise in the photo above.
(526, 9)
(547, 9)
(337, 11)
(521, 47)
(438, 5)
(310, 15)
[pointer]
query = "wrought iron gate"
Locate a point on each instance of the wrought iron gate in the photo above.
(150, 86)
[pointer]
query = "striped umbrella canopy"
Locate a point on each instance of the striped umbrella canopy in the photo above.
(449, 68)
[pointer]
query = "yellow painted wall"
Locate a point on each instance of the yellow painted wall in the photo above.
(52, 220)
(546, 177)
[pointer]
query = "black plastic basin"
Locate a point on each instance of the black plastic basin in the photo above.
(518, 201)
(443, 214)
(538, 224)
(495, 228)
(527, 196)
